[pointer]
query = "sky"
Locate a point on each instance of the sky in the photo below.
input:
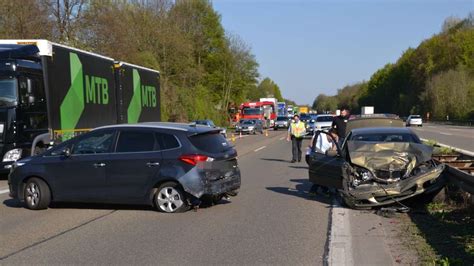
(310, 47)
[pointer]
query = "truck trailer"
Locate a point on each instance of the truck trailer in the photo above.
(51, 92)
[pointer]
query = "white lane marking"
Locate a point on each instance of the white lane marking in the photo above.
(340, 238)
(470, 153)
(447, 134)
(261, 148)
(282, 138)
(4, 191)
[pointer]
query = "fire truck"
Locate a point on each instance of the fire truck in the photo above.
(259, 110)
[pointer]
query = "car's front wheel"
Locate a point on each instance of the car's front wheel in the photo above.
(171, 198)
(37, 194)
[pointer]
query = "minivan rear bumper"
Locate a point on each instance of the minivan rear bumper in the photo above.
(199, 182)
(224, 185)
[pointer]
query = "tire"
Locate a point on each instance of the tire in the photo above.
(37, 194)
(275, 128)
(170, 198)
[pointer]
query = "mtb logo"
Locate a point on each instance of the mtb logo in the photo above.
(97, 90)
(143, 97)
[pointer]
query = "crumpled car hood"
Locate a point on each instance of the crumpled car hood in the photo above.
(388, 156)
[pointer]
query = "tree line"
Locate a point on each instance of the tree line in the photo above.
(437, 78)
(203, 68)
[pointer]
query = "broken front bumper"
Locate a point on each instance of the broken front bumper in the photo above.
(376, 194)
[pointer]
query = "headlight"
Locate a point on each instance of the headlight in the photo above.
(251, 128)
(12, 155)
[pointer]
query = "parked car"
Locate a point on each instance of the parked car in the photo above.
(414, 120)
(381, 162)
(281, 122)
(210, 123)
(166, 165)
(249, 126)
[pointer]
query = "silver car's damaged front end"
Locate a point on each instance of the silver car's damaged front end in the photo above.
(384, 173)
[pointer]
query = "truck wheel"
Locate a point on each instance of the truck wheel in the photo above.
(37, 194)
(170, 198)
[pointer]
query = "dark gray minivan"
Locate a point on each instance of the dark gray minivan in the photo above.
(167, 165)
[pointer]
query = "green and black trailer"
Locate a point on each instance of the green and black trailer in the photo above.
(51, 92)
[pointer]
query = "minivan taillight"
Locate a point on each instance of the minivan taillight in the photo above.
(194, 159)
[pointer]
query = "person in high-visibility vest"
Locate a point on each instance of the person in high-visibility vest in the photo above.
(296, 132)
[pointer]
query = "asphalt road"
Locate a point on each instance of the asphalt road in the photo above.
(271, 221)
(455, 136)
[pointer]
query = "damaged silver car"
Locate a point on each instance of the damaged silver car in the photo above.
(381, 162)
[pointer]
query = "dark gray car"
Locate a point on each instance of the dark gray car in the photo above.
(167, 165)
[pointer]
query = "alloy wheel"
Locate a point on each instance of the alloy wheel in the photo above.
(33, 194)
(169, 199)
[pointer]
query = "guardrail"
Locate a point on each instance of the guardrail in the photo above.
(461, 179)
(459, 170)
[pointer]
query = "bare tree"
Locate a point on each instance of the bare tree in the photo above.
(66, 15)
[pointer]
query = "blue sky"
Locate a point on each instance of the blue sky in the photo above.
(309, 47)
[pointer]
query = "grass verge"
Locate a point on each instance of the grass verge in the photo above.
(440, 234)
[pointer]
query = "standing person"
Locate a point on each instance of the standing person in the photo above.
(296, 132)
(339, 124)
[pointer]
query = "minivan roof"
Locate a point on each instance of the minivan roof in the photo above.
(164, 125)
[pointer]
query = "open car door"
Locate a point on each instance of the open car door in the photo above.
(325, 166)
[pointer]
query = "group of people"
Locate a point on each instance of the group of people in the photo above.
(324, 142)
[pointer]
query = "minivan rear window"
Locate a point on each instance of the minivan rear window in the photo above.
(210, 142)
(135, 141)
(167, 141)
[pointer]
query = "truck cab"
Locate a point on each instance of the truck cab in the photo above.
(23, 114)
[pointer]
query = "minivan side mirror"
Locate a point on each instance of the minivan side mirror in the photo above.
(66, 152)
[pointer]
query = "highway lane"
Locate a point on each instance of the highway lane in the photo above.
(272, 221)
(455, 136)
